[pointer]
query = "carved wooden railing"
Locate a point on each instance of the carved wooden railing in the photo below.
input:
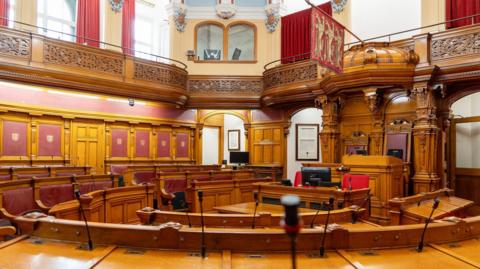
(37, 58)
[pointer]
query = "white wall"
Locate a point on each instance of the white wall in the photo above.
(467, 134)
(371, 18)
(308, 115)
(210, 138)
(231, 122)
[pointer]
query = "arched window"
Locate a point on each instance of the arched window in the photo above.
(210, 42)
(241, 42)
(236, 42)
(59, 16)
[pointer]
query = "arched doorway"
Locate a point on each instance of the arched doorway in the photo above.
(222, 132)
(465, 147)
(307, 120)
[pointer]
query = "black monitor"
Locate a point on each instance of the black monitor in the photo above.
(239, 157)
(318, 174)
(395, 153)
(361, 152)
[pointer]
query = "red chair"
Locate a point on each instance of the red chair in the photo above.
(355, 182)
(298, 179)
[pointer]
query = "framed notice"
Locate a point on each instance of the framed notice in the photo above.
(306, 143)
(233, 139)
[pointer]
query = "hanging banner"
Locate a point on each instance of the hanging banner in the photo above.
(327, 41)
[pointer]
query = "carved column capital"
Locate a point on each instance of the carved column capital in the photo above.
(426, 105)
(373, 99)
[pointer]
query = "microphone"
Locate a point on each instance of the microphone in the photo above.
(76, 191)
(255, 197)
(355, 213)
(447, 193)
(349, 182)
(291, 223)
(330, 203)
(203, 247)
(436, 202)
(330, 207)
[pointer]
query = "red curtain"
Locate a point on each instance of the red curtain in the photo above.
(128, 29)
(456, 9)
(88, 22)
(295, 36)
(4, 12)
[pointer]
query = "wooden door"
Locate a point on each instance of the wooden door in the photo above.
(88, 147)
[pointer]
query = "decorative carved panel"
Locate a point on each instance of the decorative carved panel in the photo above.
(225, 86)
(290, 74)
(162, 74)
(455, 46)
(65, 55)
(13, 45)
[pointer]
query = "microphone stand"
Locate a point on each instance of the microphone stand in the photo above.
(203, 248)
(330, 207)
(291, 223)
(436, 202)
(255, 196)
(82, 212)
(355, 213)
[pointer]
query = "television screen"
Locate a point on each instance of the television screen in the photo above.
(239, 157)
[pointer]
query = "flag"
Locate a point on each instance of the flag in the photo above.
(327, 37)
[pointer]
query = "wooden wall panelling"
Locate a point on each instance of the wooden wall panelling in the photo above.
(117, 142)
(15, 139)
(88, 145)
(142, 143)
(267, 144)
(48, 139)
(163, 140)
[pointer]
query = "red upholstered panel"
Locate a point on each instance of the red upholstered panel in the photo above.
(54, 194)
(175, 185)
(18, 201)
(119, 142)
(5, 177)
(355, 181)
(182, 145)
(93, 186)
(142, 143)
(118, 169)
(144, 177)
(49, 140)
(14, 138)
(163, 145)
(29, 176)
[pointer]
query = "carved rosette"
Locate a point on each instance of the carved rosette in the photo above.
(63, 55)
(289, 75)
(164, 75)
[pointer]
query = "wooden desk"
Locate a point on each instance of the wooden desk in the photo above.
(248, 208)
(406, 258)
(417, 208)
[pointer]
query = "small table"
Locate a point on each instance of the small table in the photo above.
(248, 208)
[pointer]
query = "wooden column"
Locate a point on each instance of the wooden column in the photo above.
(425, 140)
(330, 134)
(373, 99)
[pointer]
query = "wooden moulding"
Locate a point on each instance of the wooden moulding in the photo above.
(174, 236)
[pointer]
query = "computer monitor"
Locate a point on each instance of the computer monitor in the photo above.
(395, 153)
(361, 152)
(318, 174)
(239, 157)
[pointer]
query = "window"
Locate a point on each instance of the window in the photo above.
(210, 42)
(152, 31)
(11, 12)
(236, 42)
(59, 17)
(241, 42)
